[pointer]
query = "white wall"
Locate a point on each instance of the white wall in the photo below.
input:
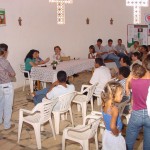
(39, 29)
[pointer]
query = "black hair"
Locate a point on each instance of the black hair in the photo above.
(62, 76)
(37, 51)
(110, 40)
(99, 61)
(30, 54)
(145, 47)
(100, 40)
(126, 60)
(92, 47)
(124, 71)
(119, 39)
(137, 54)
(3, 47)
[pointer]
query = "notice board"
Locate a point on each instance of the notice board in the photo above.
(137, 33)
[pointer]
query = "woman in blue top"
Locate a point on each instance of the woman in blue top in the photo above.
(112, 138)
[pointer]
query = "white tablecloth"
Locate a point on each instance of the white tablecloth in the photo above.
(47, 74)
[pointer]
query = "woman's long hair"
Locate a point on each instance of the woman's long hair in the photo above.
(30, 54)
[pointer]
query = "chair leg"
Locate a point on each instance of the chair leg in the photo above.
(24, 85)
(63, 142)
(57, 121)
(52, 127)
(37, 135)
(92, 103)
(86, 145)
(19, 128)
(84, 107)
(78, 107)
(96, 141)
(98, 101)
(70, 111)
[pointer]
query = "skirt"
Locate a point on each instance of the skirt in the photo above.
(111, 142)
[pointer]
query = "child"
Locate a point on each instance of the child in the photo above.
(92, 54)
(112, 138)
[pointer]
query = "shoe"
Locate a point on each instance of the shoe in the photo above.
(11, 127)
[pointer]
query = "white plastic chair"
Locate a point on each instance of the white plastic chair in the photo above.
(65, 106)
(39, 115)
(121, 108)
(22, 69)
(82, 133)
(82, 99)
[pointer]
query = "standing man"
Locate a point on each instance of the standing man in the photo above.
(121, 49)
(6, 89)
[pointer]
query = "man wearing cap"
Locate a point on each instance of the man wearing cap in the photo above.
(6, 89)
(101, 75)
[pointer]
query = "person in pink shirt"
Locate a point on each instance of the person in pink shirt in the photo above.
(139, 82)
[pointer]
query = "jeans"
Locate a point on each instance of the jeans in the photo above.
(6, 102)
(138, 120)
(39, 95)
(114, 58)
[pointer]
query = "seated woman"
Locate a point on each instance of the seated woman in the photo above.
(58, 54)
(39, 59)
(92, 54)
(30, 61)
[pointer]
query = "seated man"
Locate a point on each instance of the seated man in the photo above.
(111, 53)
(99, 49)
(123, 74)
(121, 49)
(101, 75)
(58, 88)
(135, 47)
(125, 61)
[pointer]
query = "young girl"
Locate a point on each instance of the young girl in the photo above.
(112, 138)
(92, 54)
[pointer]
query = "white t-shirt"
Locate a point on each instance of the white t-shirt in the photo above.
(101, 75)
(58, 91)
(109, 48)
(57, 57)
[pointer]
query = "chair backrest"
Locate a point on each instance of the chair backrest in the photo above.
(65, 101)
(45, 109)
(90, 91)
(22, 67)
(122, 106)
(93, 128)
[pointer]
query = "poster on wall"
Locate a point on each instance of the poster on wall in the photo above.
(2, 17)
(147, 20)
(137, 33)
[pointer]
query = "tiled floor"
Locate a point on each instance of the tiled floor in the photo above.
(8, 139)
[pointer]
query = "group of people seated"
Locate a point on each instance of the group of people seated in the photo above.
(33, 59)
(113, 90)
(111, 52)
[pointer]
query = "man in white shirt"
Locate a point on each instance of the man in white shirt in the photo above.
(101, 75)
(58, 88)
(135, 47)
(111, 53)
